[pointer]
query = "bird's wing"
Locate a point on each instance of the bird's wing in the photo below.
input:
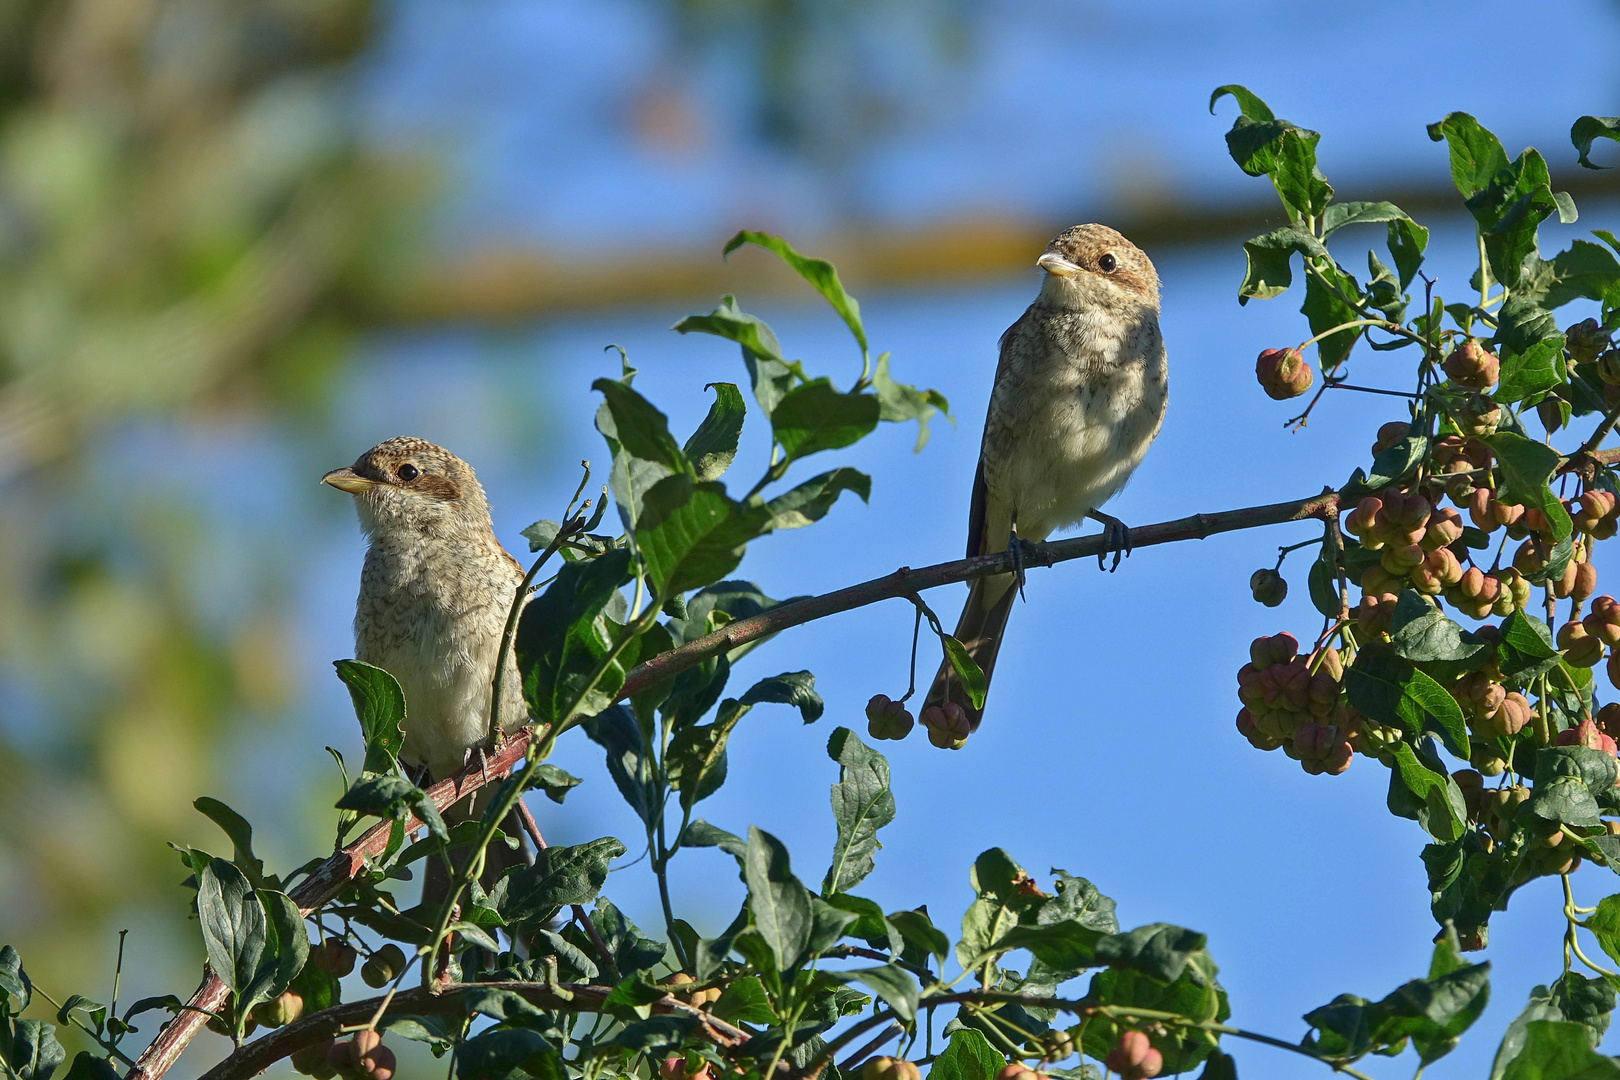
(975, 538)
(978, 509)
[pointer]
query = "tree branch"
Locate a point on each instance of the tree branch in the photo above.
(327, 880)
(254, 1057)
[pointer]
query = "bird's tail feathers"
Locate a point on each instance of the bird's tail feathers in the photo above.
(980, 629)
(498, 857)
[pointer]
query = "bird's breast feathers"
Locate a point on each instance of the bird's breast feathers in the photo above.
(1077, 409)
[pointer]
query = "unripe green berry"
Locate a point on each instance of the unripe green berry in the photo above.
(1268, 587)
(383, 967)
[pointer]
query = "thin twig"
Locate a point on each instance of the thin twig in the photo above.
(870, 1048)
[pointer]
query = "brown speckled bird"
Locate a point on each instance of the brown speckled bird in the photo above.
(435, 593)
(1078, 396)
(434, 596)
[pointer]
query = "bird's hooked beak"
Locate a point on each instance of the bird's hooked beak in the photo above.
(1057, 265)
(346, 479)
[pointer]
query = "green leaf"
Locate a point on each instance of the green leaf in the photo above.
(869, 924)
(816, 417)
(631, 950)
(1299, 183)
(508, 1054)
(969, 1057)
(1532, 371)
(1267, 273)
(1322, 582)
(640, 428)
(1061, 946)
(920, 933)
(818, 272)
(555, 782)
(559, 877)
(1476, 155)
(1263, 145)
(16, 991)
(796, 688)
(1158, 949)
(1443, 814)
(1431, 636)
(91, 1014)
(380, 705)
(902, 401)
(233, 924)
(86, 1066)
(285, 950)
(861, 803)
(1195, 995)
(810, 501)
(695, 760)
(560, 640)
(1524, 648)
(1386, 687)
(714, 444)
(381, 796)
(1556, 1050)
(781, 906)
(655, 1035)
(893, 984)
(1604, 924)
(1080, 901)
(1588, 129)
(1584, 270)
(772, 374)
(1521, 323)
(1407, 242)
(1394, 462)
(1588, 1002)
(241, 833)
(615, 731)
(1339, 215)
(1566, 780)
(702, 834)
(433, 1031)
(1249, 104)
(967, 669)
(692, 534)
(33, 1053)
(743, 1001)
(1325, 309)
(1508, 211)
(632, 998)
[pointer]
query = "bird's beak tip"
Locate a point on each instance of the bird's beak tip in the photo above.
(346, 479)
(1053, 263)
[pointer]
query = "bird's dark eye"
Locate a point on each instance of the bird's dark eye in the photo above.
(408, 472)
(1106, 264)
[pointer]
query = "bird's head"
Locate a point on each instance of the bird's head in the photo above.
(408, 484)
(1090, 265)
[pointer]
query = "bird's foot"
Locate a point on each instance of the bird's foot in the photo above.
(1116, 539)
(1018, 548)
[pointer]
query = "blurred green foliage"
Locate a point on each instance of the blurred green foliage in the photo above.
(189, 229)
